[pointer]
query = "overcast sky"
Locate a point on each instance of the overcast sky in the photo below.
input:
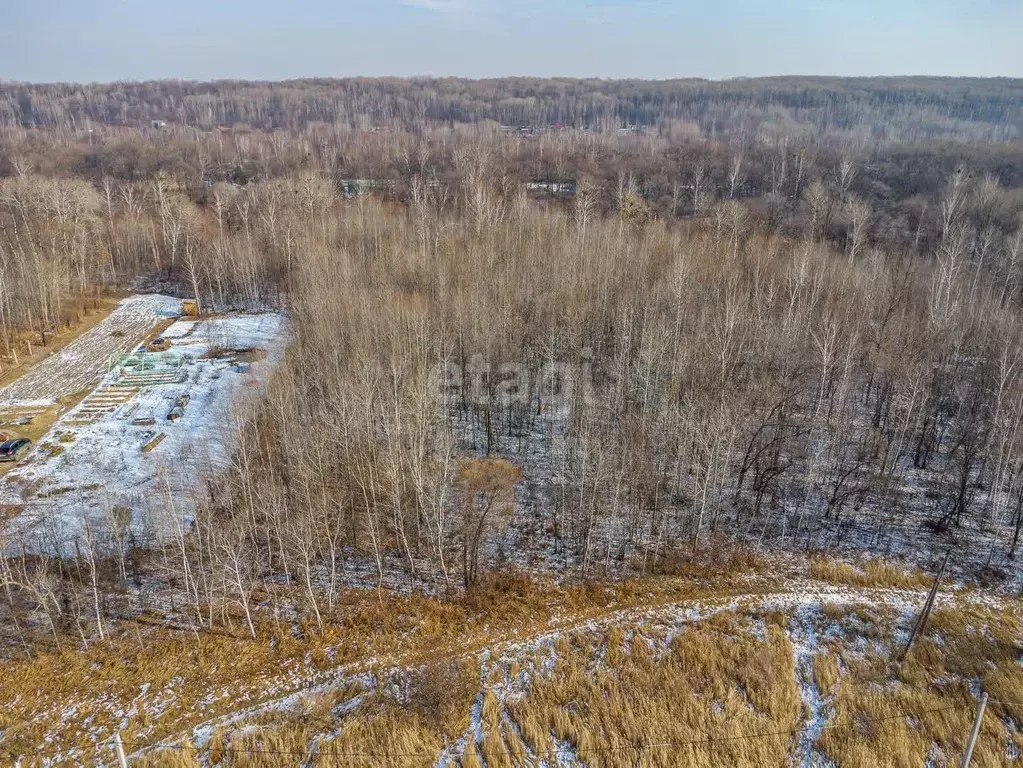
(100, 40)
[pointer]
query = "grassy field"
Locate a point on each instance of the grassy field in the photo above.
(708, 668)
(723, 691)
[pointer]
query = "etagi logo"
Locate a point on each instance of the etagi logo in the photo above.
(551, 384)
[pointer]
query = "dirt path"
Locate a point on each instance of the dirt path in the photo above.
(802, 597)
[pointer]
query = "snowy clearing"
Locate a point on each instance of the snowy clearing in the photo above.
(157, 423)
(81, 364)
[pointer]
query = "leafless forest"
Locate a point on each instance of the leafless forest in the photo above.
(580, 328)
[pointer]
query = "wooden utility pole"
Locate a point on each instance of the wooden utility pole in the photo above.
(122, 760)
(975, 732)
(921, 621)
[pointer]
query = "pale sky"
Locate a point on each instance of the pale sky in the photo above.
(102, 40)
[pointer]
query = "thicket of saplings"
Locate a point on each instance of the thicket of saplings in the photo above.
(777, 371)
(81, 210)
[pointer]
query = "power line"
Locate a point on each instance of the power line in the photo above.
(140, 746)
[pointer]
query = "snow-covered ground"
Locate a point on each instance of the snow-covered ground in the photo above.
(82, 363)
(90, 468)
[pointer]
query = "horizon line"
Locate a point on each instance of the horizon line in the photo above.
(466, 78)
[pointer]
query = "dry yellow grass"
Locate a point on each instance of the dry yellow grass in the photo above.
(185, 757)
(873, 573)
(382, 738)
(230, 672)
(612, 696)
(382, 733)
(495, 749)
(716, 680)
(961, 647)
(825, 672)
(277, 739)
(382, 730)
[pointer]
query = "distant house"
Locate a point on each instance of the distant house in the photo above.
(553, 188)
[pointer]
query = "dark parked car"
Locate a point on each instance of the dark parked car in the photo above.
(12, 450)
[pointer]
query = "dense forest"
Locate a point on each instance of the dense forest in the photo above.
(853, 111)
(777, 313)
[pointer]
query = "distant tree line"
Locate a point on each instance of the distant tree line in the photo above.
(853, 111)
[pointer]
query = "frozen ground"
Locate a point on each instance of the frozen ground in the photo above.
(508, 663)
(82, 364)
(118, 451)
(549, 528)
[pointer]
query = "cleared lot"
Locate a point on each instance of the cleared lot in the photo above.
(142, 440)
(81, 364)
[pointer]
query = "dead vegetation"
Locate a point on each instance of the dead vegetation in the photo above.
(614, 700)
(872, 572)
(657, 691)
(963, 650)
(411, 728)
(667, 366)
(228, 670)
